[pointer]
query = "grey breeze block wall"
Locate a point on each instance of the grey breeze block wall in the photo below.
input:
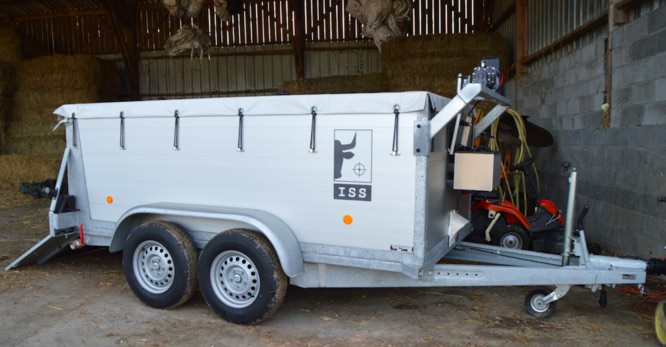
(622, 169)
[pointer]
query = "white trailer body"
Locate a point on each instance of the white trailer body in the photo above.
(381, 193)
(350, 190)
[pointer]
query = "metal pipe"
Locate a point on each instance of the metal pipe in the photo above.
(568, 224)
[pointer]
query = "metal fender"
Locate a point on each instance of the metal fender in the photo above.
(273, 228)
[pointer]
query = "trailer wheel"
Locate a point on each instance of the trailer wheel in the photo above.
(511, 236)
(159, 262)
(536, 307)
(241, 277)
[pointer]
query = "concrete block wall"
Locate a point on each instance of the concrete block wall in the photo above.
(622, 169)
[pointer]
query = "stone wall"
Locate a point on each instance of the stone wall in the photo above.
(622, 169)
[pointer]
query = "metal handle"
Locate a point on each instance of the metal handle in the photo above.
(75, 132)
(122, 130)
(313, 130)
(396, 112)
(240, 130)
(176, 131)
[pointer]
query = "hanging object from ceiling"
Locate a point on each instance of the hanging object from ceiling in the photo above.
(224, 9)
(382, 19)
(187, 39)
(178, 8)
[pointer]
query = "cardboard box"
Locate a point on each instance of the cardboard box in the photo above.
(476, 171)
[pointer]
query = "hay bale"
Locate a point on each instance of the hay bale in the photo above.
(10, 46)
(433, 62)
(14, 198)
(370, 83)
(26, 129)
(60, 71)
(34, 145)
(6, 108)
(15, 169)
(30, 105)
(7, 79)
(2, 133)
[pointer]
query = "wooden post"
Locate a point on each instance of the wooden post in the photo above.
(298, 38)
(606, 116)
(521, 37)
(122, 16)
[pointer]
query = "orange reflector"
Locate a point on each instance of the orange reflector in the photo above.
(109, 199)
(347, 219)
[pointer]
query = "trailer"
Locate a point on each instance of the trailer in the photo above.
(243, 196)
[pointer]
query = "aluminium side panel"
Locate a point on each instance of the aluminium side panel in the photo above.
(444, 221)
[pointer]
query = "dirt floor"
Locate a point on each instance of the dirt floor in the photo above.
(81, 299)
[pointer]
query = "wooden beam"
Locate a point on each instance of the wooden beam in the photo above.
(503, 17)
(298, 38)
(521, 37)
(590, 25)
(608, 60)
(122, 15)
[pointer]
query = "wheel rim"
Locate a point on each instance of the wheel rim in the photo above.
(235, 279)
(511, 240)
(153, 267)
(537, 303)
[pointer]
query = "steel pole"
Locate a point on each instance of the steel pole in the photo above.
(568, 225)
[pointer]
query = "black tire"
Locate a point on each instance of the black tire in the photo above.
(241, 277)
(535, 307)
(511, 236)
(159, 263)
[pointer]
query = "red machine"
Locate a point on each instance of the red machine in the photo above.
(500, 222)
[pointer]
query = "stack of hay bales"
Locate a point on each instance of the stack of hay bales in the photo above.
(10, 54)
(371, 83)
(429, 63)
(432, 62)
(32, 151)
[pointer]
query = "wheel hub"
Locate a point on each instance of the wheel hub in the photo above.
(511, 241)
(538, 303)
(235, 279)
(153, 267)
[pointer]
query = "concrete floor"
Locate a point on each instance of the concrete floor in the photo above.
(81, 299)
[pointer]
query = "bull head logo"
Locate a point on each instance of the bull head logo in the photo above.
(342, 152)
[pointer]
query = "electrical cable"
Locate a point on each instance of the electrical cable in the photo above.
(515, 182)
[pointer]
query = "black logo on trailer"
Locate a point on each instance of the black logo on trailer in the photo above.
(352, 164)
(342, 152)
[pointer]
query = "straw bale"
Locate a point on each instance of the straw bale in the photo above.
(440, 86)
(7, 79)
(18, 129)
(34, 145)
(15, 169)
(60, 71)
(10, 46)
(337, 84)
(433, 62)
(32, 105)
(14, 198)
(6, 108)
(467, 48)
(2, 133)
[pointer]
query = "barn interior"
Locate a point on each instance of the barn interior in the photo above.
(593, 79)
